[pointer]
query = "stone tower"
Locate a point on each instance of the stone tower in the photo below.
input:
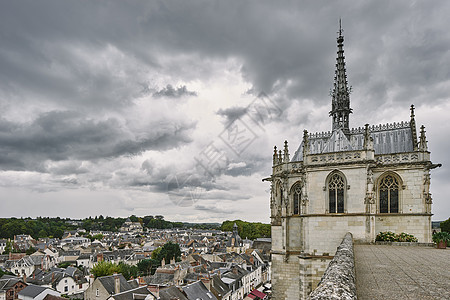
(362, 180)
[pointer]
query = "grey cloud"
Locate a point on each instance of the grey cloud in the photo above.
(171, 92)
(58, 136)
(216, 209)
(232, 113)
(288, 53)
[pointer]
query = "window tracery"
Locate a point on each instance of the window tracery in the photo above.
(297, 197)
(389, 190)
(336, 186)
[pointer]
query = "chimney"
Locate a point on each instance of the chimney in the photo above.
(163, 262)
(172, 261)
(141, 281)
(25, 278)
(116, 284)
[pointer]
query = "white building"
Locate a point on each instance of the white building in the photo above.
(361, 180)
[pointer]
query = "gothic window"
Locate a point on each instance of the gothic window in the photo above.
(281, 196)
(336, 185)
(296, 197)
(389, 194)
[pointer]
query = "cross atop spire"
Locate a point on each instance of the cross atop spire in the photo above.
(340, 27)
(340, 105)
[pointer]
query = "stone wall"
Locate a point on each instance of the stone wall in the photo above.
(339, 281)
(285, 277)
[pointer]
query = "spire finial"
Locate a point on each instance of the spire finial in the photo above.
(412, 124)
(340, 104)
(286, 152)
(275, 156)
(423, 140)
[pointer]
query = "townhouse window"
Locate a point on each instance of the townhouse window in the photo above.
(96, 293)
(389, 194)
(336, 193)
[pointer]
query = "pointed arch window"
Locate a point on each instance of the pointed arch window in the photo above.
(389, 188)
(336, 185)
(296, 197)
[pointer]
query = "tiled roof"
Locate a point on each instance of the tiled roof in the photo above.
(388, 138)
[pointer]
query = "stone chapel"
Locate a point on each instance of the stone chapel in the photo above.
(361, 180)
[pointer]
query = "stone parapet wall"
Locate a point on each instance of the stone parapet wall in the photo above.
(339, 281)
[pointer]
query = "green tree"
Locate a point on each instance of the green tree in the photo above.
(155, 253)
(97, 237)
(105, 268)
(8, 247)
(247, 229)
(169, 251)
(147, 266)
(42, 233)
(30, 250)
(127, 271)
(133, 218)
(445, 225)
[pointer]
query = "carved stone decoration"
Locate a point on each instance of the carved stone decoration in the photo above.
(272, 197)
(369, 199)
(286, 194)
(428, 198)
(426, 188)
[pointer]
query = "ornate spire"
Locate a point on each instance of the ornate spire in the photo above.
(340, 105)
(275, 156)
(423, 140)
(305, 144)
(286, 152)
(412, 123)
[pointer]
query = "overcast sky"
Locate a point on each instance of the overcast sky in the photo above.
(128, 107)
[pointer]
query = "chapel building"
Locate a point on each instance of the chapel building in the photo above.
(361, 180)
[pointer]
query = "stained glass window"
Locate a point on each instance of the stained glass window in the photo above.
(389, 194)
(336, 194)
(297, 195)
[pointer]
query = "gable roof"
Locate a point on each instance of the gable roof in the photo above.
(171, 293)
(133, 294)
(219, 286)
(53, 297)
(8, 281)
(108, 283)
(198, 291)
(32, 290)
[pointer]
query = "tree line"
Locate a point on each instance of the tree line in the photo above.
(42, 227)
(248, 230)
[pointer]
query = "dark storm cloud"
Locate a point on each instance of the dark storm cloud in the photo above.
(285, 48)
(232, 113)
(58, 136)
(170, 178)
(171, 92)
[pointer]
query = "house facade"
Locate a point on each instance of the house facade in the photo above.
(361, 180)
